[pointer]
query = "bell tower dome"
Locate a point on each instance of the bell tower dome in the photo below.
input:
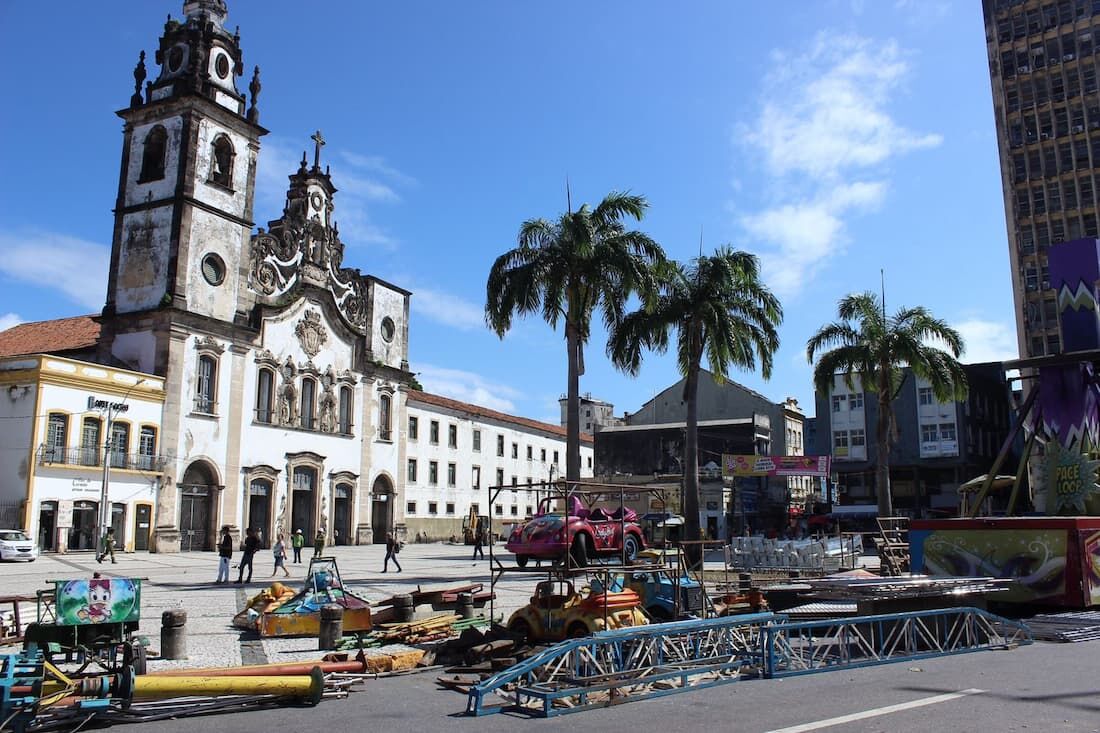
(184, 210)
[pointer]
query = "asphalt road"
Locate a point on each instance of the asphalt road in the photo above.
(1042, 687)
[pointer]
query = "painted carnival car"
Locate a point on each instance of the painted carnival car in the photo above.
(580, 532)
(557, 612)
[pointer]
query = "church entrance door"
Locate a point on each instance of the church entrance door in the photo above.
(341, 515)
(381, 515)
(196, 508)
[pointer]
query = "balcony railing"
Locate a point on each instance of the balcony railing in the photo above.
(93, 456)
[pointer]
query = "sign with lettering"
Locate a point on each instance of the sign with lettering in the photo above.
(65, 513)
(1070, 478)
(749, 465)
(97, 404)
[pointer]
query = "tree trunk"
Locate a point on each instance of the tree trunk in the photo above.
(882, 462)
(690, 463)
(573, 406)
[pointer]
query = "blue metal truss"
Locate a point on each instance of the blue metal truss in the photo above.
(624, 665)
(804, 647)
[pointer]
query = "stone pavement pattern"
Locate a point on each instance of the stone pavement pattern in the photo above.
(186, 581)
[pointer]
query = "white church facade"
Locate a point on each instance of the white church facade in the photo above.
(279, 379)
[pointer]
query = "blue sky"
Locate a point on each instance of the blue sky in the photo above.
(832, 138)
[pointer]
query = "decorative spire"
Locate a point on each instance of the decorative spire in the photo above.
(139, 79)
(254, 90)
(214, 9)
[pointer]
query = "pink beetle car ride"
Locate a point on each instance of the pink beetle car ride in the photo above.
(583, 533)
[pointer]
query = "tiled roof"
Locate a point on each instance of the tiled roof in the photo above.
(487, 414)
(50, 337)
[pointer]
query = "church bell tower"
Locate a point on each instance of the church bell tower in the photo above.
(183, 215)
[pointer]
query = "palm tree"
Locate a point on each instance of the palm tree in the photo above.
(720, 309)
(587, 259)
(877, 349)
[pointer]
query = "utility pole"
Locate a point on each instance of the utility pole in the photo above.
(111, 410)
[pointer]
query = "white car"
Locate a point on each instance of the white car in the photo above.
(16, 545)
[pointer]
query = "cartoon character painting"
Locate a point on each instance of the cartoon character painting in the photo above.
(98, 601)
(98, 608)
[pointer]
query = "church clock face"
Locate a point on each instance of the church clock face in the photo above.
(221, 66)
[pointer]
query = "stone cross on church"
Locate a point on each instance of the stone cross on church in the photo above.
(320, 143)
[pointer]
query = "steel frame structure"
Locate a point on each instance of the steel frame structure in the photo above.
(804, 647)
(625, 665)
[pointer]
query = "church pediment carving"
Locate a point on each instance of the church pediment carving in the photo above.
(304, 247)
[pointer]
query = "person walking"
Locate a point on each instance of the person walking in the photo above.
(319, 543)
(479, 542)
(392, 548)
(280, 556)
(225, 553)
(296, 542)
(251, 544)
(107, 546)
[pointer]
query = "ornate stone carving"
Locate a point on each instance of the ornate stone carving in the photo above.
(288, 395)
(264, 356)
(207, 343)
(311, 334)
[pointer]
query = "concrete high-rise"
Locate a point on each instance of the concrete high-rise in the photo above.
(1047, 106)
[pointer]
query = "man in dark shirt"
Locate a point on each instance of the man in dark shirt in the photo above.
(251, 544)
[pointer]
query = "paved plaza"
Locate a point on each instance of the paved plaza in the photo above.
(186, 580)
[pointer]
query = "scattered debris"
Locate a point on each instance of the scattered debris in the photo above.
(1066, 627)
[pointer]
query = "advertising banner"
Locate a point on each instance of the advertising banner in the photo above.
(749, 465)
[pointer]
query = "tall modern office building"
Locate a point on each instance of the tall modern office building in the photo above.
(1047, 104)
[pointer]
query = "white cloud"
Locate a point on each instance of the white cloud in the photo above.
(73, 266)
(468, 387)
(804, 233)
(824, 133)
(448, 309)
(9, 320)
(378, 164)
(829, 113)
(987, 341)
(923, 12)
(355, 195)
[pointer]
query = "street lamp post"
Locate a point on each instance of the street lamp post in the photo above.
(112, 410)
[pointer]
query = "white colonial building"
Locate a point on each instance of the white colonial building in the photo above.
(275, 380)
(56, 416)
(454, 452)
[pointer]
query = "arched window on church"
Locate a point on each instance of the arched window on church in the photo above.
(265, 396)
(384, 417)
(221, 162)
(309, 403)
(206, 381)
(345, 410)
(153, 153)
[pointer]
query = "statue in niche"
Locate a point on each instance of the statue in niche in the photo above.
(288, 394)
(280, 518)
(328, 402)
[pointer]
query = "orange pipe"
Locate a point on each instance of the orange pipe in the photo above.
(258, 670)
